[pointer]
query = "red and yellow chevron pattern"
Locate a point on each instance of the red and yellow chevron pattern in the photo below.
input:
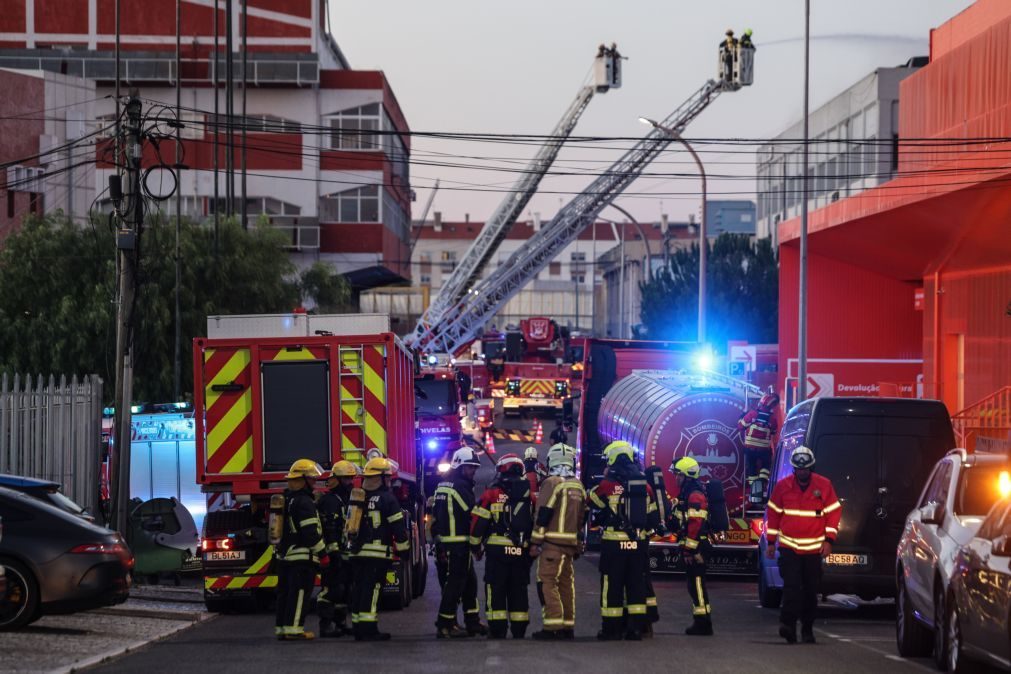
(229, 418)
(530, 387)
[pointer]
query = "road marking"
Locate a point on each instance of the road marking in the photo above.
(887, 656)
(493, 661)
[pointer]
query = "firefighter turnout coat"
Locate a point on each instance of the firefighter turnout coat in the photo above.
(803, 519)
(561, 512)
(302, 539)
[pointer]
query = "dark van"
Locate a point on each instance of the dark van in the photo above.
(878, 452)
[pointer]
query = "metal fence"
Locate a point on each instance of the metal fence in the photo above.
(52, 430)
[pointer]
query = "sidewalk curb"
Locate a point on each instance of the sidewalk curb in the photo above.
(120, 651)
(157, 614)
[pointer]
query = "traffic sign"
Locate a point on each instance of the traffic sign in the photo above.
(746, 354)
(820, 385)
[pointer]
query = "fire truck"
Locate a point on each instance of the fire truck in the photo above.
(655, 396)
(439, 431)
(272, 389)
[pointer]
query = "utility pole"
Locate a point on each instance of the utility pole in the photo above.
(129, 222)
(802, 300)
(229, 112)
(177, 359)
(245, 31)
(217, 126)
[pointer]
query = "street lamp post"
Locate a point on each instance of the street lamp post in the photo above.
(702, 222)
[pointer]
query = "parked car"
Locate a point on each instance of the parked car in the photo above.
(956, 498)
(978, 607)
(878, 453)
(55, 562)
(47, 490)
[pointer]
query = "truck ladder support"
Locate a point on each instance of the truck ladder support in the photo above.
(463, 322)
(469, 269)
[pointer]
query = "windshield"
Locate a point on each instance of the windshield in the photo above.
(440, 397)
(977, 490)
(494, 350)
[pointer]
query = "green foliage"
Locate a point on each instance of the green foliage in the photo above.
(330, 291)
(57, 295)
(742, 294)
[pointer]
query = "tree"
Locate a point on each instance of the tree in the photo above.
(328, 290)
(742, 294)
(57, 295)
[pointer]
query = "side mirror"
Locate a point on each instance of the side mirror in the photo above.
(1001, 547)
(932, 513)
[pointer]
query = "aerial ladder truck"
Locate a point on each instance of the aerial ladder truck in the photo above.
(606, 76)
(463, 322)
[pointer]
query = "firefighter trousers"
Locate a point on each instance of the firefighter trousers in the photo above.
(695, 576)
(801, 580)
(622, 586)
(368, 574)
(335, 593)
(506, 578)
(556, 587)
(460, 587)
(652, 611)
(295, 581)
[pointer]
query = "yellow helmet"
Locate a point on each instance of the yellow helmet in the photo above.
(344, 469)
(304, 468)
(616, 449)
(686, 466)
(380, 465)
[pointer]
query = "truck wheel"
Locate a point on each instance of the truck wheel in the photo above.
(22, 603)
(420, 576)
(407, 585)
(768, 597)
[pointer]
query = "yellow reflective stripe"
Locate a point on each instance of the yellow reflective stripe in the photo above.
(298, 609)
(481, 512)
(775, 507)
(802, 541)
(611, 535)
(831, 530)
(834, 506)
(697, 513)
(519, 616)
(636, 609)
(700, 610)
(772, 532)
(333, 547)
(453, 539)
(802, 513)
(553, 621)
(310, 520)
(691, 543)
(497, 615)
(596, 500)
(650, 601)
(564, 535)
(612, 612)
(396, 517)
(475, 540)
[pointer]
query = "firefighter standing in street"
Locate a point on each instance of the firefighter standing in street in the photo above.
(332, 603)
(375, 533)
(454, 500)
(557, 542)
(654, 476)
(502, 522)
(300, 550)
(803, 517)
(628, 516)
(534, 469)
(692, 522)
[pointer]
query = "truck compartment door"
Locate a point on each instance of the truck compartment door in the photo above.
(296, 412)
(228, 416)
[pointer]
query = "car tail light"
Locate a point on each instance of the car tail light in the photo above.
(208, 544)
(118, 549)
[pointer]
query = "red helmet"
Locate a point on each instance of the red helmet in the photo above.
(510, 463)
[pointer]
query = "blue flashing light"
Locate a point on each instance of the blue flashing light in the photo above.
(433, 360)
(704, 359)
(433, 445)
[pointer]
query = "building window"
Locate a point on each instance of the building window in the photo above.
(356, 205)
(354, 128)
(448, 259)
(254, 206)
(426, 279)
(10, 204)
(395, 218)
(555, 269)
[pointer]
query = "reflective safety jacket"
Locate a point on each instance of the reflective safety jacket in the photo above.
(333, 508)
(302, 538)
(608, 496)
(561, 512)
(803, 519)
(454, 500)
(383, 530)
(691, 515)
(758, 427)
(495, 516)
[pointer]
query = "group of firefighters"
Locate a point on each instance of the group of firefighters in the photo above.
(533, 514)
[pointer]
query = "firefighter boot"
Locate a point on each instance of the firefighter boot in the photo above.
(519, 630)
(701, 626)
(788, 632)
(547, 635)
(497, 631)
(299, 636)
(327, 629)
(477, 629)
(807, 634)
(452, 632)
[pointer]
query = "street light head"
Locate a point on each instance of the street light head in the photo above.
(649, 122)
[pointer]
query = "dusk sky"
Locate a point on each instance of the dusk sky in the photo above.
(513, 68)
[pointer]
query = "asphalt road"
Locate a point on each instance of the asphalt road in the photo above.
(850, 639)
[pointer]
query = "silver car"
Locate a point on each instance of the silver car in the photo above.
(959, 493)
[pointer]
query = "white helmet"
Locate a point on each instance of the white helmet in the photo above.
(561, 463)
(464, 456)
(530, 453)
(802, 457)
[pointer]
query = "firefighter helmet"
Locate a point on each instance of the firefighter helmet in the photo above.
(304, 468)
(747, 32)
(802, 457)
(561, 463)
(530, 453)
(464, 456)
(616, 449)
(510, 463)
(686, 466)
(562, 448)
(344, 468)
(378, 466)
(730, 31)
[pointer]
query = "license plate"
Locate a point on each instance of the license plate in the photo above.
(225, 556)
(846, 560)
